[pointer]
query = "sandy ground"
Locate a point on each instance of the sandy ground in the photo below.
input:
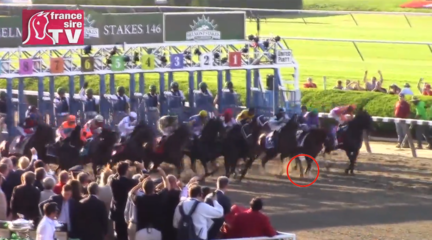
(388, 198)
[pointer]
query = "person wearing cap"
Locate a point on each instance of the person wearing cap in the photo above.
(426, 89)
(402, 110)
(66, 127)
(121, 104)
(339, 113)
(176, 91)
(90, 103)
(312, 119)
(92, 127)
(228, 97)
(61, 105)
(127, 125)
(407, 90)
(151, 102)
(198, 121)
(276, 123)
(420, 129)
(228, 120)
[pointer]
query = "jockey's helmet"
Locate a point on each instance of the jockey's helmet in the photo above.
(99, 118)
(61, 91)
(229, 85)
(89, 91)
(32, 108)
(152, 88)
(203, 85)
(121, 90)
(174, 85)
(202, 113)
(133, 115)
(251, 111)
(71, 119)
(350, 108)
(282, 110)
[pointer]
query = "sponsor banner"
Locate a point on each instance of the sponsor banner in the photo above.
(99, 29)
(205, 26)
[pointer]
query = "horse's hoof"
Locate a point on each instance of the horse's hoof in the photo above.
(346, 171)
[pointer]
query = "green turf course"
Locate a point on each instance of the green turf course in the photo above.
(361, 5)
(335, 60)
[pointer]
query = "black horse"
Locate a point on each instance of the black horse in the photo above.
(351, 139)
(133, 148)
(101, 147)
(20, 146)
(208, 146)
(312, 144)
(241, 144)
(171, 151)
(286, 143)
(67, 151)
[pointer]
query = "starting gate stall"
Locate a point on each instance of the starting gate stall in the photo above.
(175, 106)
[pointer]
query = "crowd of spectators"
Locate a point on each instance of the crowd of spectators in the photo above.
(126, 204)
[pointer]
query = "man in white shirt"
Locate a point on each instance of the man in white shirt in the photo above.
(203, 215)
(127, 125)
(46, 228)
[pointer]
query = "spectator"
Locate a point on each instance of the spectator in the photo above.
(310, 84)
(105, 195)
(23, 163)
(394, 89)
(172, 195)
(94, 216)
(3, 202)
(370, 86)
(120, 185)
(5, 168)
(339, 85)
(40, 175)
(251, 223)
(48, 185)
(426, 89)
(420, 130)
(62, 180)
(201, 214)
(130, 211)
(206, 191)
(13, 179)
(378, 88)
(407, 90)
(25, 199)
(402, 110)
(84, 179)
(225, 202)
(46, 228)
(76, 190)
(149, 206)
(68, 210)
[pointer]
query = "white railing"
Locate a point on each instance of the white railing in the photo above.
(252, 12)
(355, 41)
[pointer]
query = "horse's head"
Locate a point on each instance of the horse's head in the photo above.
(292, 125)
(213, 127)
(142, 133)
(108, 136)
(75, 136)
(362, 120)
(44, 133)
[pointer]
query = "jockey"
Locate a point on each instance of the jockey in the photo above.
(66, 127)
(167, 125)
(228, 120)
(312, 119)
(127, 125)
(339, 113)
(30, 122)
(276, 122)
(198, 122)
(245, 116)
(91, 127)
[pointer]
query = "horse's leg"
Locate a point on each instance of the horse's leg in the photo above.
(94, 167)
(193, 163)
(350, 155)
(309, 167)
(227, 166)
(299, 163)
(353, 161)
(247, 166)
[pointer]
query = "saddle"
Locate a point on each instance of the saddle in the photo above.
(270, 139)
(85, 149)
(246, 131)
(301, 136)
(340, 133)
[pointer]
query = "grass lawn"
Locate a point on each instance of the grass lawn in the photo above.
(335, 60)
(361, 5)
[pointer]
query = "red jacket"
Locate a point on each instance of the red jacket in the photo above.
(251, 224)
(402, 109)
(58, 188)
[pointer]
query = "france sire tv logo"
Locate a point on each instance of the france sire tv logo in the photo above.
(53, 27)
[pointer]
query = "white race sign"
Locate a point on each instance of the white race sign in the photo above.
(283, 56)
(206, 59)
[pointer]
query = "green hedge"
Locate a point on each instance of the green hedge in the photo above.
(377, 104)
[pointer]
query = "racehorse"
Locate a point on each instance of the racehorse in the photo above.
(208, 146)
(101, 147)
(20, 146)
(286, 143)
(312, 144)
(133, 148)
(67, 151)
(171, 151)
(248, 145)
(351, 139)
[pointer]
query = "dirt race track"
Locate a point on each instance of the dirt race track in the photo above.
(390, 197)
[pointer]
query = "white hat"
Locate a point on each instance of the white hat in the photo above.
(133, 114)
